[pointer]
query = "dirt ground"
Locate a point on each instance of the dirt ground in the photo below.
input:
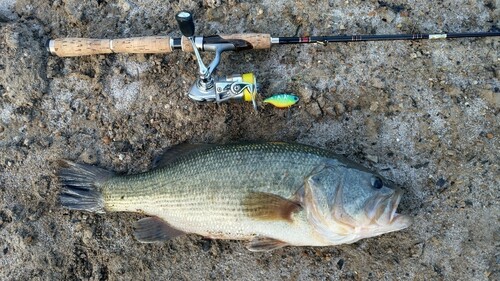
(423, 114)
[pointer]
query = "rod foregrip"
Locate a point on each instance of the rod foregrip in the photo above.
(72, 47)
(255, 40)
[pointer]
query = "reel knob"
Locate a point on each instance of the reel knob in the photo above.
(186, 23)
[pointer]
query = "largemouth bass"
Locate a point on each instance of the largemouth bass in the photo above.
(270, 194)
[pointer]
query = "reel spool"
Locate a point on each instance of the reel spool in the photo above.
(232, 87)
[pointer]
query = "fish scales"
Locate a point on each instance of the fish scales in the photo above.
(215, 170)
(241, 192)
(208, 186)
(192, 175)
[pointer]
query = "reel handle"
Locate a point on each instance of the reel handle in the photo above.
(73, 47)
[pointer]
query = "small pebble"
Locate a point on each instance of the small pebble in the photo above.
(12, 40)
(106, 140)
(389, 16)
(417, 249)
(206, 245)
(339, 108)
(215, 3)
(28, 240)
(314, 109)
(489, 135)
(88, 157)
(340, 264)
(125, 5)
(306, 94)
(441, 182)
(372, 158)
(330, 111)
(377, 83)
(87, 237)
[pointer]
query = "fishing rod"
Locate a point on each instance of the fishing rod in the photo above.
(207, 87)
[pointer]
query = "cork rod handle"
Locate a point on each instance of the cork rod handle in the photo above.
(72, 47)
(258, 40)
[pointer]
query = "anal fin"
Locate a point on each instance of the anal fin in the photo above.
(264, 244)
(154, 229)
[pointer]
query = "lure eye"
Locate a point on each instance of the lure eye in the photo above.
(377, 183)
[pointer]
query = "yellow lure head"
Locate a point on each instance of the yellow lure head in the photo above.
(282, 100)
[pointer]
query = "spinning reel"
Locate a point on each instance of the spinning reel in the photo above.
(208, 87)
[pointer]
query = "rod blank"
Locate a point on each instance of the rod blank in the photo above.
(380, 37)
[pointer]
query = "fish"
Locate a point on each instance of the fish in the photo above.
(282, 100)
(268, 194)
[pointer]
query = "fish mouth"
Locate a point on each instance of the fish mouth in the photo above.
(393, 205)
(381, 212)
(398, 221)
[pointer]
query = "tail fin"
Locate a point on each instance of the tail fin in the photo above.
(80, 186)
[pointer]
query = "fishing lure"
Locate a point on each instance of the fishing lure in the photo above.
(282, 100)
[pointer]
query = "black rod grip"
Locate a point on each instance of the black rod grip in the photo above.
(186, 23)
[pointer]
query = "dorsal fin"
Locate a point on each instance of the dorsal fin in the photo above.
(175, 152)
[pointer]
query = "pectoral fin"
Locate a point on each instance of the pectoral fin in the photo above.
(154, 229)
(264, 244)
(268, 206)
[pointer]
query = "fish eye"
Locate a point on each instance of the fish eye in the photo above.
(377, 183)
